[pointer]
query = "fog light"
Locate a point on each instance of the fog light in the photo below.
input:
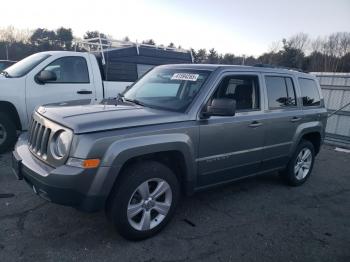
(83, 163)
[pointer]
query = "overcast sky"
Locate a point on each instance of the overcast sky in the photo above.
(235, 26)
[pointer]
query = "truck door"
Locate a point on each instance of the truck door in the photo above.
(73, 81)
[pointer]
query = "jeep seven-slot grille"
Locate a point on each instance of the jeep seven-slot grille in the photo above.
(38, 138)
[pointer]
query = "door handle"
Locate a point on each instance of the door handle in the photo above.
(295, 119)
(255, 124)
(84, 92)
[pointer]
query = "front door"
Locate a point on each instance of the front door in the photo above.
(73, 82)
(231, 147)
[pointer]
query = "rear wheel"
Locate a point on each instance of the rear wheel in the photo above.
(144, 200)
(8, 133)
(300, 165)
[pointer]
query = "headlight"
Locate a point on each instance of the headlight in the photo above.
(60, 145)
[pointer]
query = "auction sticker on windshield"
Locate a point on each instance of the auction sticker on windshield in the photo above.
(185, 76)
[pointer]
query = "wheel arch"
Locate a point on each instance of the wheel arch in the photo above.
(174, 151)
(314, 138)
(9, 109)
(313, 132)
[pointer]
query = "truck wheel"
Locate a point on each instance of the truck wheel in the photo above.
(8, 133)
(144, 200)
(300, 165)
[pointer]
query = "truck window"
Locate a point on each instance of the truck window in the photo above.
(24, 66)
(244, 89)
(280, 92)
(72, 69)
(309, 92)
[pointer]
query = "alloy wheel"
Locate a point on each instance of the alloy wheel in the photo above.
(303, 163)
(149, 204)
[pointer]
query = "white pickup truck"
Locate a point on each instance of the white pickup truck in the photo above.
(56, 76)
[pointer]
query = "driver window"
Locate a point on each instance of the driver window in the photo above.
(71, 69)
(243, 88)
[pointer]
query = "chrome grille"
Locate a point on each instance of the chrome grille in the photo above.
(42, 132)
(38, 139)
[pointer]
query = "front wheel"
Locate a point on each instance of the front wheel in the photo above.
(300, 165)
(144, 200)
(8, 133)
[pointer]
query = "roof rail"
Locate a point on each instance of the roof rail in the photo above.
(280, 67)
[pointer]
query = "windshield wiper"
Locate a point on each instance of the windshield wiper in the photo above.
(5, 74)
(113, 100)
(120, 97)
(135, 101)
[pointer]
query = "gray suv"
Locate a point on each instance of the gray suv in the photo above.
(177, 130)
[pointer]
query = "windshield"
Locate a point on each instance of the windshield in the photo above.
(22, 67)
(169, 89)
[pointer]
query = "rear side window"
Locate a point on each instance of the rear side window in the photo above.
(309, 92)
(280, 92)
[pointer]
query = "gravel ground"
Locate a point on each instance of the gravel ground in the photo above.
(257, 219)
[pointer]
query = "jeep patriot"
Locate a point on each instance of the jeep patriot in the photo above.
(177, 130)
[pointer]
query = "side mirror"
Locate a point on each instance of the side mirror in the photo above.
(45, 76)
(221, 107)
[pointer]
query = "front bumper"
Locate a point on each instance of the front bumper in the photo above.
(65, 185)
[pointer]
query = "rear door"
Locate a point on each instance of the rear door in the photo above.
(283, 117)
(74, 81)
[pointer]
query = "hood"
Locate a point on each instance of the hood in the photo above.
(83, 116)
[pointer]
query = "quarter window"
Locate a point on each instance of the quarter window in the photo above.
(309, 92)
(71, 69)
(280, 92)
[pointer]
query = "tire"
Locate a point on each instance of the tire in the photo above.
(8, 133)
(130, 194)
(297, 171)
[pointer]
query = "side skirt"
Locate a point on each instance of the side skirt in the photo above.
(202, 188)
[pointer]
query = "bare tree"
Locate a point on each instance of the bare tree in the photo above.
(300, 41)
(316, 44)
(11, 35)
(344, 43)
(275, 46)
(332, 52)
